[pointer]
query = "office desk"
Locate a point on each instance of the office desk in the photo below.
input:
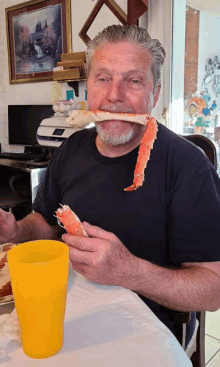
(35, 170)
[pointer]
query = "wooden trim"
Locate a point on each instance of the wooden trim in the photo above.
(23, 5)
(116, 10)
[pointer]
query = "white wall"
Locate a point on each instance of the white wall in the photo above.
(177, 67)
(3, 77)
(159, 26)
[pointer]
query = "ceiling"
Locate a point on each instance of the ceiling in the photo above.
(210, 6)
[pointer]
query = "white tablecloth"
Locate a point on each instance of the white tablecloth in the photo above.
(106, 326)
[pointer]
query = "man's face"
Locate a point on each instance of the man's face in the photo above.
(120, 80)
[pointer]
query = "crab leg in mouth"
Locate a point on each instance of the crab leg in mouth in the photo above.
(144, 154)
(70, 221)
(81, 118)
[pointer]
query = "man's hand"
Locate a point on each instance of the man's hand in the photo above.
(8, 227)
(33, 227)
(101, 257)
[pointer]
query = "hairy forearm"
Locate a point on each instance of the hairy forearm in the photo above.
(35, 227)
(189, 289)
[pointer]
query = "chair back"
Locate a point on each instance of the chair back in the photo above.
(206, 145)
(197, 350)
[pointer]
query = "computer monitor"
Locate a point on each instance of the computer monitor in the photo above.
(23, 122)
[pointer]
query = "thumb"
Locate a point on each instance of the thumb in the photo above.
(97, 232)
(3, 213)
(5, 216)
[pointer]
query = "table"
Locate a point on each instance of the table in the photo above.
(106, 326)
(35, 169)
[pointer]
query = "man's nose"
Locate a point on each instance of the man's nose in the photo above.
(116, 92)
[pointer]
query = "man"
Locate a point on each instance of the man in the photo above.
(161, 240)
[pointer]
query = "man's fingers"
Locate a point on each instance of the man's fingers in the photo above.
(80, 268)
(81, 243)
(97, 232)
(79, 256)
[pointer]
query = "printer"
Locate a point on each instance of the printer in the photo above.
(53, 130)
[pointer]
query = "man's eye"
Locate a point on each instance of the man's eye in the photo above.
(102, 80)
(134, 83)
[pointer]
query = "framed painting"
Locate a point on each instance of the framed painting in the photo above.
(38, 32)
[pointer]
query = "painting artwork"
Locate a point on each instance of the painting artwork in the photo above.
(202, 113)
(211, 80)
(38, 40)
(37, 36)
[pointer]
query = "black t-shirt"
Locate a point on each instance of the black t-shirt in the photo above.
(173, 218)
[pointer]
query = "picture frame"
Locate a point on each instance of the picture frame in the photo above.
(109, 5)
(38, 32)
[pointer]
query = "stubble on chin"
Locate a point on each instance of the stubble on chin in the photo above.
(112, 136)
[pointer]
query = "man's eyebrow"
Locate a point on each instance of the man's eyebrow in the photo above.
(101, 70)
(136, 72)
(128, 72)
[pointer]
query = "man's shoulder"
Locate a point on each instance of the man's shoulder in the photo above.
(180, 151)
(176, 142)
(169, 136)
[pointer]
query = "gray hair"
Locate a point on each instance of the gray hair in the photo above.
(133, 34)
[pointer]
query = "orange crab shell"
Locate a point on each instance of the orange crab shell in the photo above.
(70, 221)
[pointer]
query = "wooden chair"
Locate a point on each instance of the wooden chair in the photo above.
(196, 352)
(196, 348)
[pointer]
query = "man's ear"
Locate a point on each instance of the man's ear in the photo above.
(156, 94)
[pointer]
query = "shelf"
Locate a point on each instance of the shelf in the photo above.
(73, 84)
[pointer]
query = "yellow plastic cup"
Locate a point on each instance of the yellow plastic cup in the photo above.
(39, 277)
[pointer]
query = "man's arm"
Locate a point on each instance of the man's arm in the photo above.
(104, 259)
(196, 286)
(32, 227)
